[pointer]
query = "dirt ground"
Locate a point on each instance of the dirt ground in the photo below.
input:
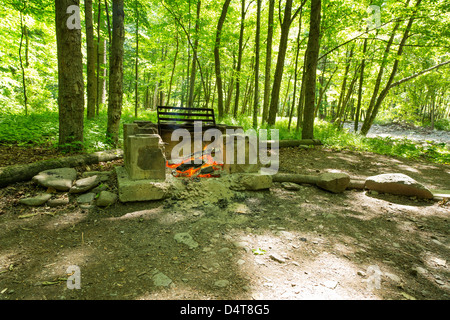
(275, 244)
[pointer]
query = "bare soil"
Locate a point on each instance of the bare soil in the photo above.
(275, 244)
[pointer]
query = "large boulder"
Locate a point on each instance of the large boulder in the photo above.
(59, 179)
(398, 184)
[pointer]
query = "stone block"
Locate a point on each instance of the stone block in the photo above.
(145, 158)
(240, 153)
(140, 190)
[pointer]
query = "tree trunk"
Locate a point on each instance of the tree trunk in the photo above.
(268, 76)
(360, 88)
(19, 173)
(70, 78)
(301, 100)
(311, 70)
(372, 115)
(173, 72)
(217, 57)
(239, 63)
(136, 79)
(194, 58)
(23, 30)
(257, 52)
(295, 71)
(91, 61)
(101, 62)
(116, 73)
(275, 96)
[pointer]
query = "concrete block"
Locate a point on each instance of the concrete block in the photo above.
(145, 158)
(140, 190)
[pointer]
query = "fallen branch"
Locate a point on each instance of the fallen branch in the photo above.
(18, 173)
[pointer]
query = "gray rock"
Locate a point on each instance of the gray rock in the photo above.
(221, 283)
(85, 184)
(186, 239)
(398, 184)
(277, 258)
(36, 201)
(86, 198)
(103, 176)
(333, 182)
(106, 198)
(161, 280)
(59, 179)
(57, 202)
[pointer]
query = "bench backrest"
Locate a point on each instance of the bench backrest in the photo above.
(176, 117)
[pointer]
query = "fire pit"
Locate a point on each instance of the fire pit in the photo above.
(155, 158)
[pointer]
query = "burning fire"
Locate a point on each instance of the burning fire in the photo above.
(189, 169)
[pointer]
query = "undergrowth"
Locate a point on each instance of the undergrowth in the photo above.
(42, 129)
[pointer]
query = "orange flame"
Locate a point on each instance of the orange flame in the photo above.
(207, 160)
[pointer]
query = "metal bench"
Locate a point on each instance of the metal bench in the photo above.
(171, 118)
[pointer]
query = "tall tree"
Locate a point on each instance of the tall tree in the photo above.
(217, 57)
(23, 33)
(268, 67)
(91, 60)
(372, 112)
(257, 52)
(194, 57)
(116, 73)
(70, 74)
(311, 70)
(136, 79)
(285, 27)
(239, 62)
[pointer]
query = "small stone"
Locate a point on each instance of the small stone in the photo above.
(85, 184)
(277, 258)
(161, 280)
(86, 198)
(106, 198)
(221, 283)
(52, 203)
(186, 239)
(439, 282)
(36, 201)
(393, 277)
(330, 284)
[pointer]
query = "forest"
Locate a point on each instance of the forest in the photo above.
(355, 96)
(371, 62)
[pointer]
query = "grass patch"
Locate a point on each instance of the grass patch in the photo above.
(42, 129)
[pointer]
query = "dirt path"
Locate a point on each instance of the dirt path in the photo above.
(397, 131)
(275, 244)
